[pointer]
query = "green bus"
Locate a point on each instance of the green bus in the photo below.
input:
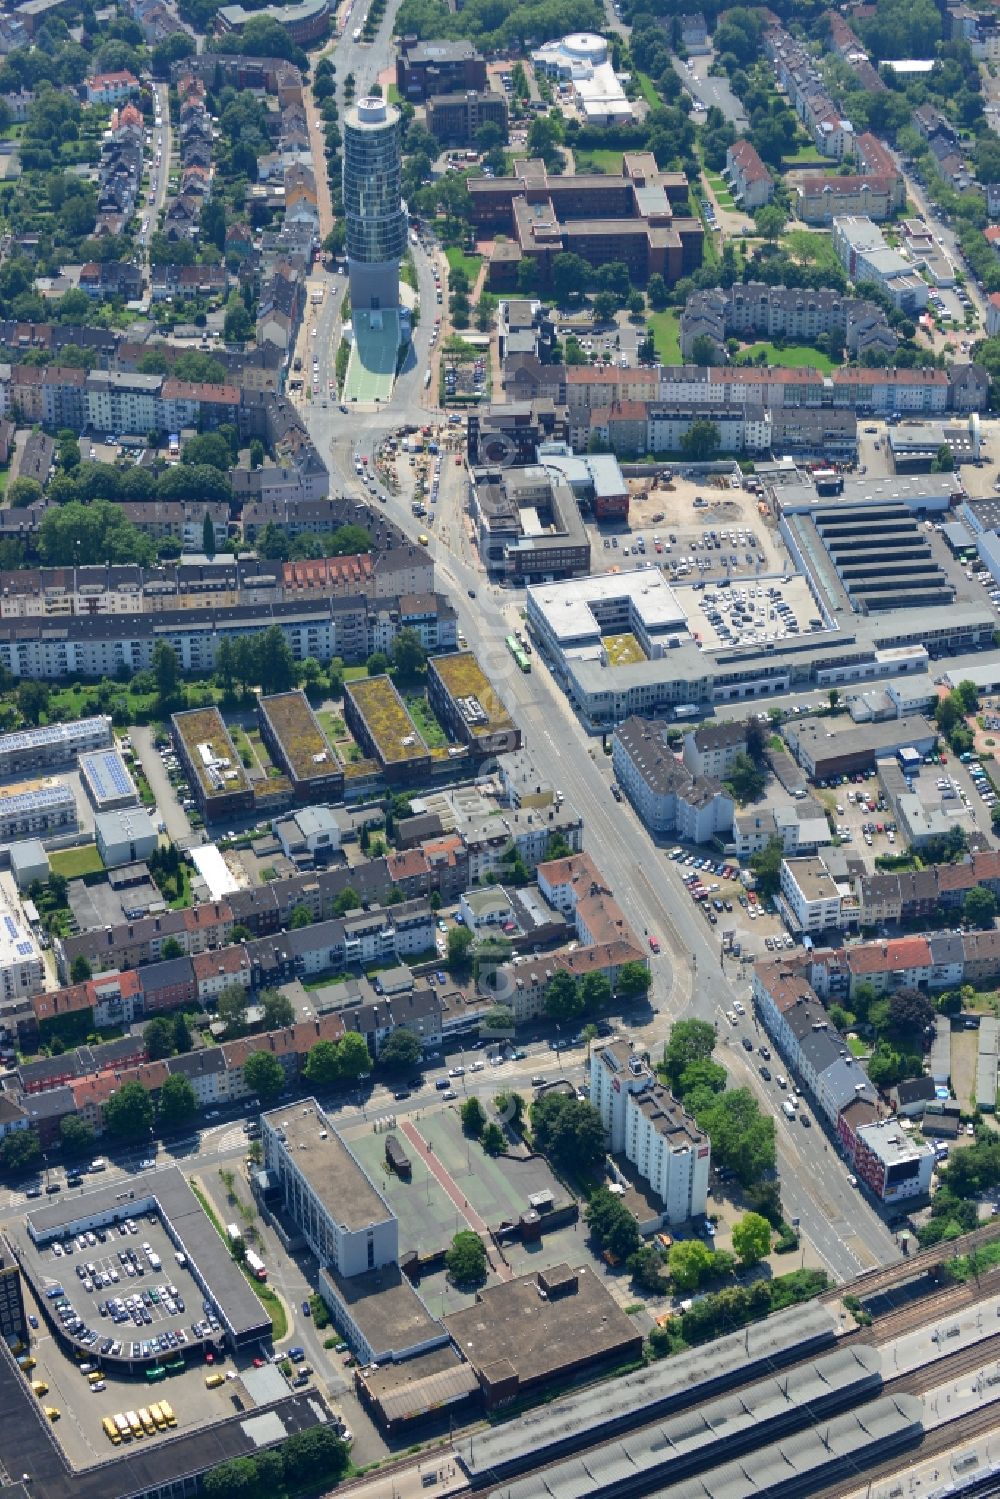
(157, 1372)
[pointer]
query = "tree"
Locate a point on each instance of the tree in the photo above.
(751, 1238)
(701, 441)
(569, 276)
(746, 780)
(595, 993)
(171, 949)
(473, 1117)
(32, 701)
(177, 1101)
(355, 1060)
(656, 291)
(75, 1134)
(612, 1224)
(208, 536)
(980, 907)
(159, 1038)
(834, 697)
(498, 1018)
(402, 1052)
(275, 662)
(568, 1129)
(24, 492)
(911, 1013)
(182, 1033)
(704, 351)
(968, 695)
(264, 1075)
(770, 221)
(689, 1041)
(80, 970)
(510, 1107)
(322, 1065)
(279, 1011)
(300, 917)
(465, 1261)
(408, 655)
(633, 979)
(605, 305)
(128, 1114)
(562, 997)
(689, 1263)
(20, 1151)
(646, 1268)
(460, 941)
(742, 1136)
(167, 672)
(231, 1008)
(492, 1139)
(766, 866)
(347, 900)
(943, 461)
(315, 1454)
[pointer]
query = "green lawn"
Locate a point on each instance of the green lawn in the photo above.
(805, 154)
(648, 89)
(459, 261)
(598, 160)
(74, 863)
(795, 357)
(665, 327)
(720, 190)
(815, 249)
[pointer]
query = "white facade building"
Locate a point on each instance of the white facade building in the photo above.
(647, 1125)
(347, 1222)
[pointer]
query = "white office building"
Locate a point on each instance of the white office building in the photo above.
(22, 973)
(647, 1125)
(347, 1223)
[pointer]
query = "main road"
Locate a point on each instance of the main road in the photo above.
(688, 976)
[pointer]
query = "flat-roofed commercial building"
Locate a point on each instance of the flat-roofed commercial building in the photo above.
(529, 523)
(453, 119)
(347, 1222)
(107, 782)
(469, 706)
(291, 731)
(218, 781)
(629, 216)
(378, 718)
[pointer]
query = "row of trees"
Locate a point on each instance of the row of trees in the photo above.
(304, 1461)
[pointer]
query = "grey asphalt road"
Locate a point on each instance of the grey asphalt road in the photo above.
(173, 814)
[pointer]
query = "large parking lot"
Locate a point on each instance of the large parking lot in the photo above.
(125, 1292)
(728, 613)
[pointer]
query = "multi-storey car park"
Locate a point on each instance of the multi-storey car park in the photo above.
(183, 1242)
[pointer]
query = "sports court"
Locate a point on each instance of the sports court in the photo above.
(371, 372)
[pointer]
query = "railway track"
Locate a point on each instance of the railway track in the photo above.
(966, 1429)
(963, 1361)
(916, 1314)
(872, 1281)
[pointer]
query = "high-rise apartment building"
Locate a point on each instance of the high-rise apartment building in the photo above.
(373, 204)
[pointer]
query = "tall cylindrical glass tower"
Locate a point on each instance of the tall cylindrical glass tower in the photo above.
(374, 211)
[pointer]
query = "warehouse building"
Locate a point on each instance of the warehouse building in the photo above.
(125, 837)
